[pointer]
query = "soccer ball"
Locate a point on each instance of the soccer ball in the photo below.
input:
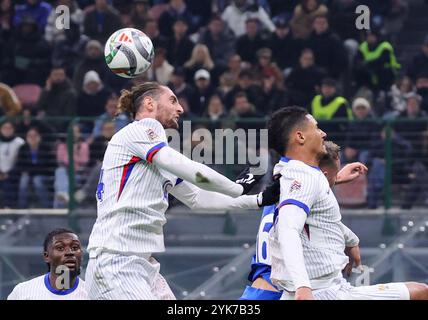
(129, 52)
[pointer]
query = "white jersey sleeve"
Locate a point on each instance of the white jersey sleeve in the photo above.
(299, 187)
(196, 198)
(145, 139)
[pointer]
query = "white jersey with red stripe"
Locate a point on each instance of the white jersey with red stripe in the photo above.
(132, 193)
(322, 239)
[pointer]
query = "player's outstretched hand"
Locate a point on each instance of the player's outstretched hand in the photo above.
(248, 178)
(354, 258)
(270, 195)
(351, 172)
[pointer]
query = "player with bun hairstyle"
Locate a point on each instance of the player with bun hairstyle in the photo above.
(139, 170)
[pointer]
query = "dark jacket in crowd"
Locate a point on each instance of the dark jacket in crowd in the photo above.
(60, 101)
(418, 66)
(247, 47)
(89, 105)
(100, 25)
(360, 134)
(285, 51)
(178, 52)
(301, 84)
(221, 49)
(97, 149)
(329, 53)
(28, 56)
(36, 162)
(99, 65)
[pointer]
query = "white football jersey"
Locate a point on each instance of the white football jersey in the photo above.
(40, 289)
(132, 193)
(322, 239)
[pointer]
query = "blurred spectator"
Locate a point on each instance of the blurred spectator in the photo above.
(9, 103)
(304, 80)
(161, 70)
(414, 132)
(101, 22)
(179, 85)
(80, 159)
(330, 105)
(360, 133)
(241, 110)
(203, 92)
(70, 51)
(92, 100)
(419, 63)
(201, 12)
(406, 171)
(96, 150)
(376, 63)
(140, 13)
(394, 19)
(29, 120)
(215, 110)
(399, 90)
(234, 68)
(328, 48)
(226, 84)
(252, 91)
(179, 46)
(9, 148)
(93, 60)
(58, 97)
(281, 9)
(119, 121)
(342, 13)
(219, 40)
(35, 165)
(265, 67)
(239, 11)
(53, 34)
(200, 59)
(247, 44)
(29, 55)
(151, 29)
(6, 19)
(187, 113)
(177, 9)
(422, 90)
(36, 9)
(274, 96)
(285, 47)
(304, 15)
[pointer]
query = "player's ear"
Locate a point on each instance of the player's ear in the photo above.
(46, 256)
(300, 137)
(149, 103)
(325, 173)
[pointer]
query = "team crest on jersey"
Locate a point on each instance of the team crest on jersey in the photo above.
(295, 185)
(151, 134)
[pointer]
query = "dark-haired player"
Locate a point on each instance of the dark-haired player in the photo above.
(262, 287)
(63, 254)
(306, 242)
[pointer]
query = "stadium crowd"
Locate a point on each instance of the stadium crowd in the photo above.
(226, 61)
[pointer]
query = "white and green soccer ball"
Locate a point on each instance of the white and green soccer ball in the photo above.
(129, 52)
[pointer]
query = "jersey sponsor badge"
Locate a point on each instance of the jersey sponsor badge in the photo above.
(151, 134)
(295, 186)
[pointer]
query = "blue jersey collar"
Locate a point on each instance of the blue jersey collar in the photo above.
(286, 159)
(60, 292)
